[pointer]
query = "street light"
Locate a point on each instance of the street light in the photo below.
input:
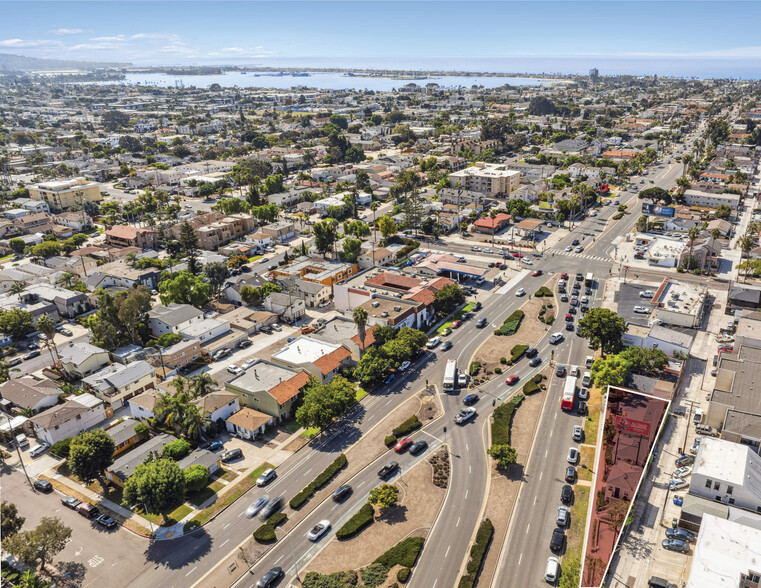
(133, 507)
(18, 449)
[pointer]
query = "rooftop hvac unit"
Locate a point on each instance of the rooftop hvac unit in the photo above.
(384, 314)
(397, 308)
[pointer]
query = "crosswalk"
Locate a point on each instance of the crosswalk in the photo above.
(583, 256)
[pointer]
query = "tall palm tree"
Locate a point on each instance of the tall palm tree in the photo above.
(692, 234)
(686, 161)
(17, 288)
(46, 326)
(172, 410)
(746, 243)
(201, 384)
(193, 422)
(360, 319)
(715, 233)
(67, 280)
(683, 182)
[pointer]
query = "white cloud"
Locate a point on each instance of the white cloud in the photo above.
(116, 38)
(29, 43)
(64, 31)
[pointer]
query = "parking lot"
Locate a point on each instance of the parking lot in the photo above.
(627, 298)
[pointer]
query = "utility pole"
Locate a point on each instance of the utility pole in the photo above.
(18, 449)
(687, 428)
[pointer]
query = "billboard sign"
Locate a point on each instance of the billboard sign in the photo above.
(655, 210)
(632, 426)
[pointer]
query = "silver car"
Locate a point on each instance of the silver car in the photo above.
(266, 477)
(319, 530)
(256, 506)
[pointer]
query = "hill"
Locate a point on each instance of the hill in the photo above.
(19, 63)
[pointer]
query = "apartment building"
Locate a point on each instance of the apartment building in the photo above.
(317, 269)
(221, 232)
(77, 414)
(126, 236)
(710, 200)
(488, 178)
(727, 472)
(61, 195)
(269, 388)
(118, 383)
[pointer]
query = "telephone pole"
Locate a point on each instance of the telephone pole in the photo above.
(687, 428)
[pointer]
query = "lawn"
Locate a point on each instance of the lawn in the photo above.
(310, 432)
(587, 457)
(578, 521)
(467, 308)
(173, 517)
(361, 393)
(254, 258)
(446, 325)
(200, 496)
(229, 497)
(591, 424)
(291, 426)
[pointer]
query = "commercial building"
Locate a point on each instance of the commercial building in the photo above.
(61, 195)
(681, 304)
(488, 178)
(316, 269)
(727, 472)
(322, 360)
(711, 200)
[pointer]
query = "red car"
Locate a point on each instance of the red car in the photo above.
(568, 317)
(456, 324)
(511, 380)
(725, 350)
(564, 276)
(519, 255)
(403, 445)
(536, 273)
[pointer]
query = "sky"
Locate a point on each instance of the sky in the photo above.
(426, 35)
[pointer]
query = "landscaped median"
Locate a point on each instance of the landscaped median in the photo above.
(358, 521)
(235, 492)
(266, 532)
(502, 420)
(477, 554)
(319, 482)
(411, 424)
(511, 324)
(534, 384)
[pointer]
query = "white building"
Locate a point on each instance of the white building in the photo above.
(489, 178)
(172, 318)
(727, 472)
(206, 330)
(710, 200)
(681, 304)
(77, 414)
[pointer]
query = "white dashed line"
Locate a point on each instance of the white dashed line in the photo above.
(190, 572)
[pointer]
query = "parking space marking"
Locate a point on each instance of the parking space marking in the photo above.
(95, 561)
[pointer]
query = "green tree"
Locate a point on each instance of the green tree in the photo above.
(10, 521)
(604, 329)
(31, 580)
(386, 226)
(373, 367)
(352, 248)
(46, 249)
(16, 322)
(540, 106)
(655, 195)
(196, 477)
(108, 324)
(41, 544)
(184, 288)
(448, 298)
(193, 423)
(360, 319)
(143, 431)
(504, 455)
(133, 311)
(646, 361)
(746, 244)
(723, 211)
(217, 273)
(611, 371)
(324, 402)
(172, 409)
(17, 245)
(46, 326)
(251, 296)
(202, 384)
(166, 340)
(384, 496)
(90, 453)
(324, 237)
(176, 450)
(412, 209)
(158, 486)
(189, 247)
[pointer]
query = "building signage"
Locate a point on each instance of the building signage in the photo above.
(632, 426)
(655, 210)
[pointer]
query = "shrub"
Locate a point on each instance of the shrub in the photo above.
(277, 519)
(142, 430)
(517, 352)
(345, 579)
(543, 291)
(196, 477)
(511, 324)
(403, 575)
(503, 417)
(618, 215)
(503, 360)
(474, 368)
(374, 575)
(389, 440)
(265, 534)
(497, 370)
(176, 450)
(532, 386)
(404, 553)
(319, 482)
(359, 520)
(61, 448)
(477, 554)
(411, 424)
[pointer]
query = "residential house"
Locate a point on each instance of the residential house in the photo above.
(118, 383)
(217, 405)
(321, 359)
(204, 457)
(316, 269)
(234, 284)
(124, 435)
(29, 393)
(269, 388)
(120, 275)
(128, 236)
(313, 293)
(248, 423)
(376, 256)
(180, 354)
(290, 308)
(705, 253)
(172, 318)
(282, 231)
(77, 414)
(40, 222)
(205, 331)
(124, 466)
(142, 405)
(31, 205)
(68, 303)
(488, 178)
(77, 221)
(80, 359)
(490, 225)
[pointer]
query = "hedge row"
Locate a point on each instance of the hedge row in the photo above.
(474, 368)
(503, 417)
(390, 440)
(404, 553)
(532, 386)
(266, 533)
(361, 519)
(411, 424)
(477, 554)
(511, 324)
(319, 482)
(618, 215)
(543, 291)
(515, 354)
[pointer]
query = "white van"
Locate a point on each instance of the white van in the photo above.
(586, 380)
(697, 418)
(22, 441)
(552, 571)
(589, 361)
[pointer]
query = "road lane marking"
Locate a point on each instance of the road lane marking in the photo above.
(447, 553)
(244, 512)
(551, 431)
(466, 493)
(546, 451)
(527, 528)
(279, 558)
(520, 558)
(223, 544)
(541, 474)
(434, 583)
(190, 572)
(362, 484)
(307, 472)
(535, 497)
(227, 525)
(466, 447)
(457, 524)
(470, 469)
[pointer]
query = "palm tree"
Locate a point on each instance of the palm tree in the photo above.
(17, 288)
(172, 410)
(193, 422)
(715, 233)
(360, 319)
(31, 580)
(683, 182)
(67, 280)
(746, 243)
(692, 234)
(46, 326)
(686, 160)
(201, 384)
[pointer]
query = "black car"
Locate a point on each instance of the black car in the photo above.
(43, 486)
(477, 306)
(231, 455)
(70, 502)
(682, 534)
(418, 447)
(570, 474)
(588, 291)
(684, 460)
(535, 361)
(531, 352)
(576, 242)
(342, 493)
(388, 470)
(245, 343)
(482, 322)
(446, 345)
(32, 354)
(273, 267)
(106, 521)
(569, 326)
(582, 407)
(558, 540)
(470, 399)
(271, 508)
(502, 266)
(566, 494)
(271, 578)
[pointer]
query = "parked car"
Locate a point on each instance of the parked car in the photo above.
(570, 474)
(552, 570)
(342, 493)
(271, 508)
(87, 510)
(470, 399)
(245, 343)
(231, 455)
(316, 533)
(234, 369)
(267, 476)
(43, 486)
(558, 540)
(578, 432)
(589, 361)
(256, 506)
(676, 545)
(465, 415)
(38, 449)
(566, 494)
(456, 324)
(682, 534)
(249, 364)
(70, 502)
(389, 379)
(31, 354)
(573, 455)
(404, 366)
(583, 393)
(388, 470)
(641, 310)
(562, 519)
(677, 483)
(684, 460)
(477, 306)
(418, 447)
(271, 578)
(433, 343)
(682, 472)
(65, 331)
(105, 521)
(402, 445)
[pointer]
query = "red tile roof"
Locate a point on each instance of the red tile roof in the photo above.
(391, 280)
(369, 339)
(284, 391)
(488, 222)
(329, 362)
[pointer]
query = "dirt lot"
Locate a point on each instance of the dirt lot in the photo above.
(504, 488)
(530, 331)
(419, 502)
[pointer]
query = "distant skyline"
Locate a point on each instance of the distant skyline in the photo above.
(669, 38)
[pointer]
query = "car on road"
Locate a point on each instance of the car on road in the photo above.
(402, 445)
(641, 310)
(418, 447)
(256, 506)
(271, 578)
(536, 273)
(404, 366)
(570, 474)
(482, 322)
(569, 326)
(105, 521)
(579, 249)
(31, 354)
(676, 545)
(684, 460)
(470, 399)
(682, 472)
(535, 361)
(64, 331)
(573, 456)
(389, 379)
(38, 449)
(646, 294)
(43, 486)
(267, 476)
(518, 292)
(531, 352)
(462, 380)
(488, 250)
(70, 502)
(562, 519)
(574, 371)
(558, 540)
(271, 508)
(677, 483)
(566, 494)
(476, 249)
(569, 248)
(477, 306)
(682, 534)
(316, 533)
(388, 470)
(456, 324)
(578, 432)
(264, 260)
(512, 380)
(465, 415)
(446, 346)
(342, 493)
(231, 455)
(248, 364)
(526, 261)
(560, 371)
(556, 338)
(433, 343)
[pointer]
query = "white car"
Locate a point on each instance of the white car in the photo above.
(579, 249)
(646, 294)
(527, 261)
(584, 300)
(569, 248)
(433, 343)
(488, 250)
(589, 361)
(641, 310)
(520, 292)
(234, 369)
(256, 506)
(573, 456)
(248, 364)
(678, 483)
(264, 260)
(475, 249)
(682, 472)
(593, 213)
(267, 476)
(319, 530)
(556, 338)
(404, 366)
(583, 393)
(465, 415)
(38, 449)
(561, 283)
(578, 432)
